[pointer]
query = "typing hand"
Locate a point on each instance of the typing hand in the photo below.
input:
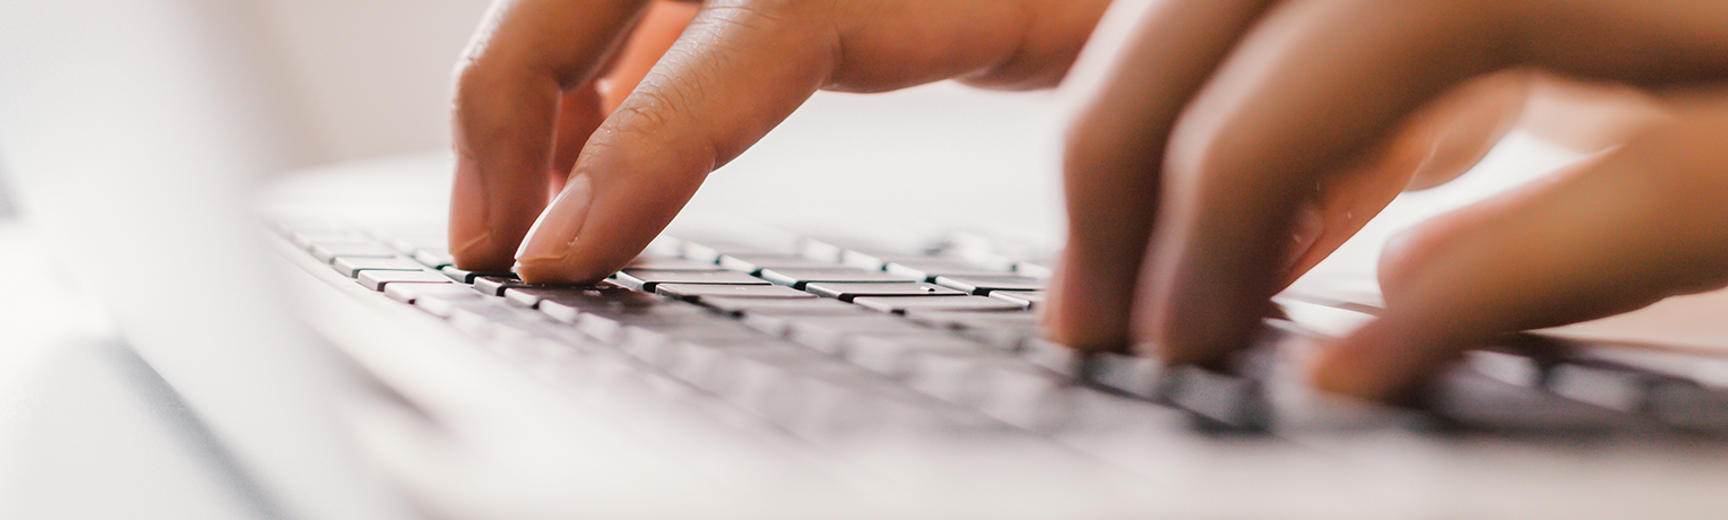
(531, 119)
(1289, 124)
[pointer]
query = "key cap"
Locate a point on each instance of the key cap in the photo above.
(434, 258)
(894, 357)
(754, 264)
(740, 306)
(1053, 356)
(1139, 376)
(1689, 406)
(605, 324)
(800, 278)
(1608, 387)
(1467, 399)
(901, 304)
(984, 285)
(927, 270)
(877, 260)
(352, 265)
(1028, 299)
(566, 306)
(1220, 402)
(848, 291)
(826, 333)
(697, 292)
(417, 292)
(660, 263)
(377, 280)
(710, 251)
(960, 320)
(327, 252)
(496, 285)
(645, 280)
(468, 277)
(530, 296)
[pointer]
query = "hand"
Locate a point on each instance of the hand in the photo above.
(1233, 143)
(532, 120)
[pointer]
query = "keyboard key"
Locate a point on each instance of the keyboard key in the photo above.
(966, 319)
(827, 334)
(496, 285)
(1029, 299)
(327, 252)
(416, 292)
(754, 264)
(697, 292)
(900, 305)
(894, 356)
(352, 265)
(434, 258)
(800, 278)
(1139, 376)
(1689, 406)
(567, 306)
(530, 296)
(710, 251)
(928, 270)
(1221, 402)
(306, 238)
(468, 277)
(983, 285)
(1467, 399)
(661, 263)
(740, 306)
(377, 280)
(1608, 387)
(848, 291)
(646, 279)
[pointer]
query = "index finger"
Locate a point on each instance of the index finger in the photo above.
(508, 85)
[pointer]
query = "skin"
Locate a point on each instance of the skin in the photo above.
(1224, 147)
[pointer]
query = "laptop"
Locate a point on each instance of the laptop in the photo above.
(809, 367)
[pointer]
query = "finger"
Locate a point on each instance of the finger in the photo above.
(583, 108)
(1145, 63)
(1313, 86)
(1435, 145)
(734, 74)
(1613, 235)
(507, 96)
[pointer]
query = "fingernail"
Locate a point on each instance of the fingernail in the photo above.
(1309, 225)
(554, 234)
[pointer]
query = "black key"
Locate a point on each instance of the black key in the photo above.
(754, 264)
(983, 285)
(1220, 402)
(327, 252)
(352, 265)
(780, 306)
(646, 279)
(900, 304)
(417, 292)
(376, 280)
(927, 270)
(661, 263)
(434, 258)
(1030, 299)
(799, 278)
(696, 292)
(468, 277)
(848, 291)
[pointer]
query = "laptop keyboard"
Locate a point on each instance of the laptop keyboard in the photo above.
(827, 340)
